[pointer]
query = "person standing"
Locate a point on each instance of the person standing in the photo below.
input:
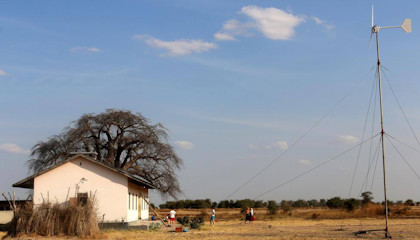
(252, 218)
(247, 215)
(172, 214)
(213, 217)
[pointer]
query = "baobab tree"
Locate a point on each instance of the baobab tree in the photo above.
(122, 139)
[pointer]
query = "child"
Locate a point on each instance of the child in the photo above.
(213, 217)
(172, 217)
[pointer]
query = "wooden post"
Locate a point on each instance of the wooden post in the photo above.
(157, 215)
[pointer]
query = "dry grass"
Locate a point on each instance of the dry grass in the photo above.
(370, 211)
(299, 226)
(290, 228)
(52, 219)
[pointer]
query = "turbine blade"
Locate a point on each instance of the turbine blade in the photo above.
(370, 40)
(372, 18)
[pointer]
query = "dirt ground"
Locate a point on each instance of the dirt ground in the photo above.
(288, 228)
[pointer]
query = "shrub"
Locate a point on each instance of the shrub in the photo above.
(316, 215)
(285, 206)
(299, 203)
(335, 202)
(402, 211)
(196, 222)
(154, 226)
(184, 221)
(272, 207)
(193, 223)
(367, 197)
(409, 202)
(352, 204)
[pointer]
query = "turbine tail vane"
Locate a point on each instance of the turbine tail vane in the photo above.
(406, 25)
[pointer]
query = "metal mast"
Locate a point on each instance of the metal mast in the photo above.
(406, 26)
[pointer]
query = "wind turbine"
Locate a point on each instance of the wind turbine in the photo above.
(406, 26)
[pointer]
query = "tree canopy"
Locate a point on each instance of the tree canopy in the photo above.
(122, 139)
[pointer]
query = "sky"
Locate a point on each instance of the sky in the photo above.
(238, 85)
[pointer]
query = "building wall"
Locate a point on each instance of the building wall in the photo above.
(137, 207)
(109, 187)
(6, 216)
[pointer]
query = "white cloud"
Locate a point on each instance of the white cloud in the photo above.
(252, 146)
(274, 23)
(348, 139)
(329, 27)
(178, 47)
(184, 145)
(85, 49)
(304, 162)
(224, 37)
(3, 73)
(281, 145)
(318, 21)
(13, 148)
(232, 28)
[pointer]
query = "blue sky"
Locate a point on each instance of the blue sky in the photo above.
(235, 82)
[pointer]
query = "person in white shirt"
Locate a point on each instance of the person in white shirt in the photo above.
(252, 218)
(172, 214)
(213, 217)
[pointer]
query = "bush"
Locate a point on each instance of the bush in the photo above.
(272, 207)
(299, 203)
(154, 226)
(196, 222)
(285, 206)
(367, 197)
(409, 202)
(193, 223)
(352, 204)
(402, 211)
(335, 202)
(316, 215)
(184, 221)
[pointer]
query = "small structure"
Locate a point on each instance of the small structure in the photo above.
(120, 196)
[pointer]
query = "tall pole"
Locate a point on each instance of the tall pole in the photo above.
(375, 29)
(406, 26)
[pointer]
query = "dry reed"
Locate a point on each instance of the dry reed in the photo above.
(50, 219)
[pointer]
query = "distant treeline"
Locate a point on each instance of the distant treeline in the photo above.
(285, 205)
(244, 203)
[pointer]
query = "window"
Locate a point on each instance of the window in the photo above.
(82, 198)
(129, 201)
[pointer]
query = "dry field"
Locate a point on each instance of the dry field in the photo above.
(298, 226)
(282, 229)
(274, 229)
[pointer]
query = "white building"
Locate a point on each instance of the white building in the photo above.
(119, 195)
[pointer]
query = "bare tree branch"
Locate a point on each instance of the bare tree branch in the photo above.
(123, 140)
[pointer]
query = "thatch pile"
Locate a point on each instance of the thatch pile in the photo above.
(50, 219)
